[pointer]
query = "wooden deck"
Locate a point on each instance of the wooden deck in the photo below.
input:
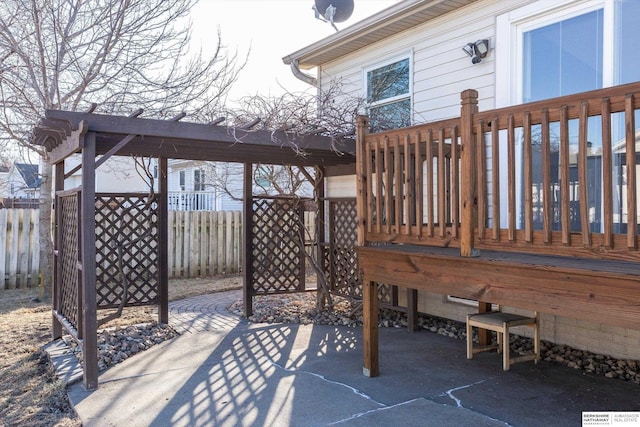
(526, 207)
(601, 291)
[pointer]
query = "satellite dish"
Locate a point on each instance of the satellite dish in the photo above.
(334, 10)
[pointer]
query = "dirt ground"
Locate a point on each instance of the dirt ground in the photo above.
(31, 395)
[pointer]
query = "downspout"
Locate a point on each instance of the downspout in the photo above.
(302, 76)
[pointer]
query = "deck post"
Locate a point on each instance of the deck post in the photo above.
(469, 102)
(361, 178)
(412, 309)
(370, 366)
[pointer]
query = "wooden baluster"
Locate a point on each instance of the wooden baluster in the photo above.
(565, 195)
(379, 187)
(546, 177)
(495, 178)
(398, 191)
(371, 200)
(511, 176)
(419, 182)
(582, 174)
(408, 188)
(481, 171)
(455, 182)
(430, 172)
(607, 174)
(632, 195)
(388, 182)
(442, 193)
(528, 179)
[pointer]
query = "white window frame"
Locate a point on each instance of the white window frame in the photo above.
(510, 29)
(385, 62)
(511, 26)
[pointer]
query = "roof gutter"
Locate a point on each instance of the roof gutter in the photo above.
(302, 76)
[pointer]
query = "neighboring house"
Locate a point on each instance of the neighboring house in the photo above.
(190, 183)
(113, 176)
(408, 62)
(19, 181)
(201, 185)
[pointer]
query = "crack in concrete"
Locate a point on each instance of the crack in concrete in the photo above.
(353, 389)
(450, 392)
(373, 411)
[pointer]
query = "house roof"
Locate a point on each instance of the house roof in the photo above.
(29, 174)
(395, 19)
(62, 134)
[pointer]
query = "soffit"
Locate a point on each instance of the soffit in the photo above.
(391, 21)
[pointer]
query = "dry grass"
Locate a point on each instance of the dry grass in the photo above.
(31, 395)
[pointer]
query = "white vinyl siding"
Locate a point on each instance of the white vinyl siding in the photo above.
(441, 70)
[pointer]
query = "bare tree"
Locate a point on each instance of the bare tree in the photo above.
(112, 55)
(330, 112)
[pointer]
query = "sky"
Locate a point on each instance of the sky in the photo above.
(268, 30)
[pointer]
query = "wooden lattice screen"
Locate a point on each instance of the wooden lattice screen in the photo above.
(341, 261)
(340, 258)
(127, 248)
(277, 246)
(68, 293)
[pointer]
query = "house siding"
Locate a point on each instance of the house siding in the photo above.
(441, 71)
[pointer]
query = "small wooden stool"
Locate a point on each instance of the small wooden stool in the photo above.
(501, 322)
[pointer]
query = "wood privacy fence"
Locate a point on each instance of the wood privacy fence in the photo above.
(203, 243)
(19, 248)
(207, 243)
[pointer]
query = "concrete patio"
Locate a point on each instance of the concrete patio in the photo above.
(225, 371)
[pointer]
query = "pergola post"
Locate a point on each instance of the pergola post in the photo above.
(163, 237)
(88, 257)
(57, 255)
(247, 213)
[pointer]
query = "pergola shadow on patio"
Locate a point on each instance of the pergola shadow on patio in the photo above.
(92, 269)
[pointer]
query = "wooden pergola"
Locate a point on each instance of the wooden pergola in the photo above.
(96, 138)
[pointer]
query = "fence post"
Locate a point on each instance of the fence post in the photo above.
(469, 102)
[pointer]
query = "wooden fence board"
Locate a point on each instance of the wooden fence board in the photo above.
(35, 248)
(24, 231)
(12, 248)
(3, 247)
(199, 244)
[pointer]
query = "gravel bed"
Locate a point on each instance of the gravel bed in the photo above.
(301, 309)
(120, 342)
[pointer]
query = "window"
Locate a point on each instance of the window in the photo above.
(550, 49)
(563, 58)
(388, 91)
(182, 180)
(198, 180)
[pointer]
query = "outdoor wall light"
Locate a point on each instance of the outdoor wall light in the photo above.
(477, 50)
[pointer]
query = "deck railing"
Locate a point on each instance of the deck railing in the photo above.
(558, 176)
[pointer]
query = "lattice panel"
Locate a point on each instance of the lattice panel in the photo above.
(277, 249)
(385, 294)
(69, 287)
(343, 237)
(127, 246)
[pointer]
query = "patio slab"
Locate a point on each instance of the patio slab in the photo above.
(245, 374)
